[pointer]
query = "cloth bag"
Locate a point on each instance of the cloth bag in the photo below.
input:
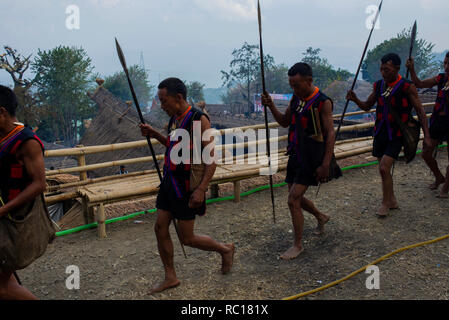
(25, 234)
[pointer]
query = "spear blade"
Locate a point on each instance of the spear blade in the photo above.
(359, 67)
(412, 43)
(267, 132)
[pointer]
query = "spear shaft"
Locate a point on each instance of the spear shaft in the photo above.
(267, 132)
(358, 69)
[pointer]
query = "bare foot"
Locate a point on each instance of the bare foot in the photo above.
(292, 253)
(394, 205)
(382, 211)
(321, 222)
(437, 182)
(227, 259)
(164, 285)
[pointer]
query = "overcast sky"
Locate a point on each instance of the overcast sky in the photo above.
(193, 39)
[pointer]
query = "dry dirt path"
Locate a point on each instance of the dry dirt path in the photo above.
(126, 264)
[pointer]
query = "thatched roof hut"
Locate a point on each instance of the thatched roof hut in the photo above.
(116, 122)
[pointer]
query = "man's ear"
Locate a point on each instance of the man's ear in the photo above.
(3, 110)
(179, 97)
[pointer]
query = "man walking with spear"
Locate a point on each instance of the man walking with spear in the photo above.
(177, 197)
(395, 98)
(439, 122)
(311, 148)
(183, 188)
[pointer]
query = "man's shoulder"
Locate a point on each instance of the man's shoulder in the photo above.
(198, 115)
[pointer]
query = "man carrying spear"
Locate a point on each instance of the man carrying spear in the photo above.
(176, 199)
(392, 94)
(439, 122)
(311, 146)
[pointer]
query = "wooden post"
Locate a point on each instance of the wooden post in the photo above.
(82, 162)
(101, 219)
(237, 191)
(85, 210)
(214, 191)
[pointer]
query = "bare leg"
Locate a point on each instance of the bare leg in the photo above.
(388, 199)
(431, 162)
(11, 290)
(295, 196)
(165, 247)
(321, 218)
(189, 238)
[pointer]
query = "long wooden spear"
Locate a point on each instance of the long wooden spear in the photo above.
(142, 120)
(262, 69)
(358, 69)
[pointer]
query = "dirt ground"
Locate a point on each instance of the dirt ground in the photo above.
(126, 264)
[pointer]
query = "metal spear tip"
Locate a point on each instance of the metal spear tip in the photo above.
(121, 55)
(415, 27)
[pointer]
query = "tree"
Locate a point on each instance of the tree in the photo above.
(276, 79)
(195, 91)
(323, 72)
(422, 53)
(118, 85)
(245, 69)
(62, 80)
(16, 65)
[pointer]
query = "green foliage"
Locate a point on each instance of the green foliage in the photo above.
(323, 72)
(425, 65)
(276, 79)
(195, 91)
(118, 85)
(62, 80)
(244, 71)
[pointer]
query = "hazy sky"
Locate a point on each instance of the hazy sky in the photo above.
(193, 39)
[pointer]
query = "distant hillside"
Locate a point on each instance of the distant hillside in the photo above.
(213, 95)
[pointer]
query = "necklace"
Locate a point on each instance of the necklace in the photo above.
(178, 120)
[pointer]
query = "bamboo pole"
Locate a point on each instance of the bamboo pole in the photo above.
(103, 165)
(98, 149)
(101, 219)
(60, 197)
(97, 180)
(237, 191)
(82, 163)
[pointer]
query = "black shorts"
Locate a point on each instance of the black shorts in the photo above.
(178, 207)
(439, 129)
(299, 174)
(383, 146)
